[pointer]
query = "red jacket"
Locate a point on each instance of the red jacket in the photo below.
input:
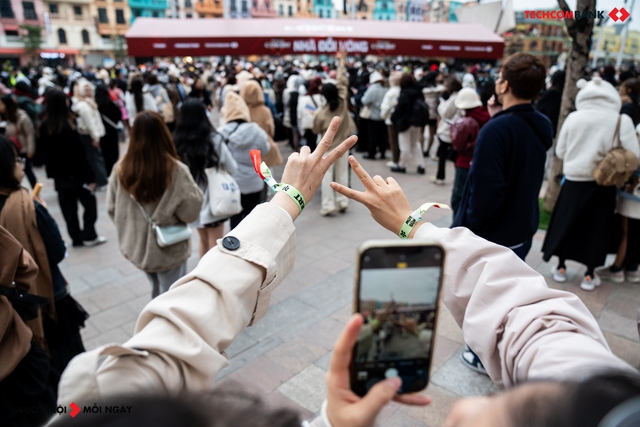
(464, 134)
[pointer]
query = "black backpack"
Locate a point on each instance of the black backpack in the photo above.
(419, 113)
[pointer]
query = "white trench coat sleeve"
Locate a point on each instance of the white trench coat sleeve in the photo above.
(181, 336)
(520, 329)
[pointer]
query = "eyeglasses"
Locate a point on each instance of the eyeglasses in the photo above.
(21, 161)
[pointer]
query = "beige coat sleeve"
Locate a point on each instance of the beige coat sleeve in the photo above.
(520, 329)
(181, 336)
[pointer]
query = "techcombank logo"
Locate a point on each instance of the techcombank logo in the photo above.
(616, 14)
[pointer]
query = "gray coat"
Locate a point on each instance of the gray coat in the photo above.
(373, 99)
(241, 138)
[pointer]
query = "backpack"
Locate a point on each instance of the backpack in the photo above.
(419, 113)
(618, 164)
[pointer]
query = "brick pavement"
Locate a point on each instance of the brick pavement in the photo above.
(285, 356)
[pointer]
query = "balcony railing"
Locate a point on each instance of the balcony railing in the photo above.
(149, 4)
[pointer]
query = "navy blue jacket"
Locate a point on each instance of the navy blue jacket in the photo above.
(500, 198)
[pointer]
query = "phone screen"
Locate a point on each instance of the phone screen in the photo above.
(398, 293)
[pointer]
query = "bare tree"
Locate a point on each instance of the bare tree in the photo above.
(580, 31)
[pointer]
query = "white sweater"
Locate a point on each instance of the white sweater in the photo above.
(148, 104)
(89, 120)
(587, 134)
(389, 103)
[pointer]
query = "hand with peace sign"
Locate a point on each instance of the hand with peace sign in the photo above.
(384, 198)
(305, 170)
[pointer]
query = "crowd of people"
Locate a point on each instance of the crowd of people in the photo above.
(498, 126)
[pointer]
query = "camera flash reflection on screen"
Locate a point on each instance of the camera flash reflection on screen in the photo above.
(402, 265)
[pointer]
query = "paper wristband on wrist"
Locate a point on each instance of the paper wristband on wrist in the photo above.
(263, 170)
(416, 216)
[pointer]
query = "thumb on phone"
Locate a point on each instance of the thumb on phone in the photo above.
(379, 395)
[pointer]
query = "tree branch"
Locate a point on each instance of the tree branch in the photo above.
(563, 5)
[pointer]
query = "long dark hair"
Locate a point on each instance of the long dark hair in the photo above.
(8, 158)
(136, 90)
(193, 139)
(57, 112)
(330, 93)
(11, 113)
(103, 99)
(146, 171)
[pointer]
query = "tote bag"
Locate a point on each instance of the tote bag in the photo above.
(224, 193)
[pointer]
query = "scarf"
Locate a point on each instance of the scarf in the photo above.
(19, 218)
(15, 337)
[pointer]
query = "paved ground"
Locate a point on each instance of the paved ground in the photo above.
(285, 356)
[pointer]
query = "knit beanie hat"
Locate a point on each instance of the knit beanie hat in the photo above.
(242, 77)
(235, 108)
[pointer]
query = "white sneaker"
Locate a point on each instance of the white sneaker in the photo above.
(391, 164)
(590, 283)
(97, 241)
(605, 274)
(558, 274)
(632, 276)
(436, 181)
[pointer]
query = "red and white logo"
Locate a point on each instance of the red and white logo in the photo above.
(619, 14)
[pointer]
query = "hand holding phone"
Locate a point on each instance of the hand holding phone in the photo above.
(344, 407)
(397, 292)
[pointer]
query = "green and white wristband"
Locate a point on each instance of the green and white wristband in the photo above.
(291, 192)
(416, 216)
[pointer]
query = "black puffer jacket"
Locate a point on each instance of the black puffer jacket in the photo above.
(401, 116)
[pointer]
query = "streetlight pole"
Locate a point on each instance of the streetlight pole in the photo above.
(625, 32)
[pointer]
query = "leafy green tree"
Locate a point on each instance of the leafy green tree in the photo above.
(119, 50)
(32, 39)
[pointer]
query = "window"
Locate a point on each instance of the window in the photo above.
(77, 10)
(85, 37)
(62, 36)
(245, 7)
(136, 13)
(102, 15)
(255, 4)
(5, 9)
(189, 15)
(120, 1)
(290, 10)
(11, 33)
(53, 8)
(384, 6)
(320, 13)
(187, 4)
(154, 14)
(281, 10)
(29, 11)
(119, 16)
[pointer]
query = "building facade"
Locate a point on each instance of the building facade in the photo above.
(305, 9)
(145, 8)
(546, 39)
(286, 8)
(239, 9)
(13, 14)
(209, 8)
(415, 10)
(73, 30)
(384, 10)
(324, 9)
(263, 9)
(181, 9)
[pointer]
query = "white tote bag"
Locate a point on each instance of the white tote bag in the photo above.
(224, 193)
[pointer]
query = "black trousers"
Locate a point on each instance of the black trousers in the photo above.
(249, 201)
(377, 137)
(311, 139)
(444, 154)
(68, 199)
(28, 170)
(110, 151)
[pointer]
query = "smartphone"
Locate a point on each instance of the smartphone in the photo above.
(397, 291)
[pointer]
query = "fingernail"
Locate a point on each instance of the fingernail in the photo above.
(394, 382)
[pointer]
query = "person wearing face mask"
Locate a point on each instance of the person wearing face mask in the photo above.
(543, 346)
(500, 198)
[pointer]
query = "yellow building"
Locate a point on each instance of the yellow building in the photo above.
(544, 38)
(610, 44)
(304, 9)
(209, 8)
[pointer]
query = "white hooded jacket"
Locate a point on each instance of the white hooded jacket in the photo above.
(587, 134)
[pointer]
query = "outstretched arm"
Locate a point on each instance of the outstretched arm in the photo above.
(181, 335)
(519, 327)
